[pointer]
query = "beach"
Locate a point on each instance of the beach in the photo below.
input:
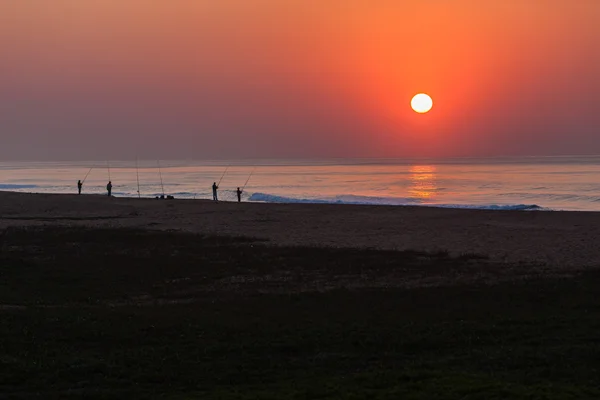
(190, 299)
(558, 239)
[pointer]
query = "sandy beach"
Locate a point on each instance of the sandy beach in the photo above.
(560, 239)
(302, 306)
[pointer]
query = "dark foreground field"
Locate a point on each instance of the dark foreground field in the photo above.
(130, 314)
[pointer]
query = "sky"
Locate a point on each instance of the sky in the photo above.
(205, 79)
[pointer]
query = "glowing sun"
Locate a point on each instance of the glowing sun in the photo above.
(421, 103)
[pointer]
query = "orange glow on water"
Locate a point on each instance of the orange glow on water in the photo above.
(422, 182)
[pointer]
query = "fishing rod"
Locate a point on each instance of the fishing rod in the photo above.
(108, 166)
(223, 175)
(160, 175)
(137, 173)
(249, 176)
(86, 175)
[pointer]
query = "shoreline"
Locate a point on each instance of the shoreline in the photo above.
(554, 238)
(316, 201)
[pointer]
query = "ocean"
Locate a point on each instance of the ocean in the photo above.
(525, 183)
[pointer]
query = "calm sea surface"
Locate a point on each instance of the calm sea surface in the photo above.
(557, 183)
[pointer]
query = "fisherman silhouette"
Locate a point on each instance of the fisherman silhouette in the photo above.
(214, 188)
(239, 194)
(109, 187)
(79, 185)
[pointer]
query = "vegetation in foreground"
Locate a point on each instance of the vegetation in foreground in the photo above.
(128, 314)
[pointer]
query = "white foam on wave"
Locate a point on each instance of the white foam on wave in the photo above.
(395, 201)
(10, 186)
(517, 207)
(341, 199)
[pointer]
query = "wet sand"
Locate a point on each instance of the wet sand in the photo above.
(563, 239)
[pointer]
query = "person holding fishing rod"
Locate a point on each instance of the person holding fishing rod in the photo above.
(80, 182)
(215, 185)
(214, 189)
(240, 191)
(109, 185)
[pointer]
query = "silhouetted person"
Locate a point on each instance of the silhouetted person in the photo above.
(109, 188)
(79, 186)
(214, 188)
(239, 194)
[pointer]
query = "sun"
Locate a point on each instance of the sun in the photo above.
(421, 103)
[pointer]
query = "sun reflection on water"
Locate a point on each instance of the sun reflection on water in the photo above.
(422, 179)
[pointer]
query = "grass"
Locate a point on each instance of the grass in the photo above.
(101, 314)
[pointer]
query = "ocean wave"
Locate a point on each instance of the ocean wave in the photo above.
(571, 197)
(516, 207)
(394, 201)
(342, 199)
(153, 194)
(175, 194)
(10, 186)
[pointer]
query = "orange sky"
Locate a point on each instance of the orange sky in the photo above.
(272, 78)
